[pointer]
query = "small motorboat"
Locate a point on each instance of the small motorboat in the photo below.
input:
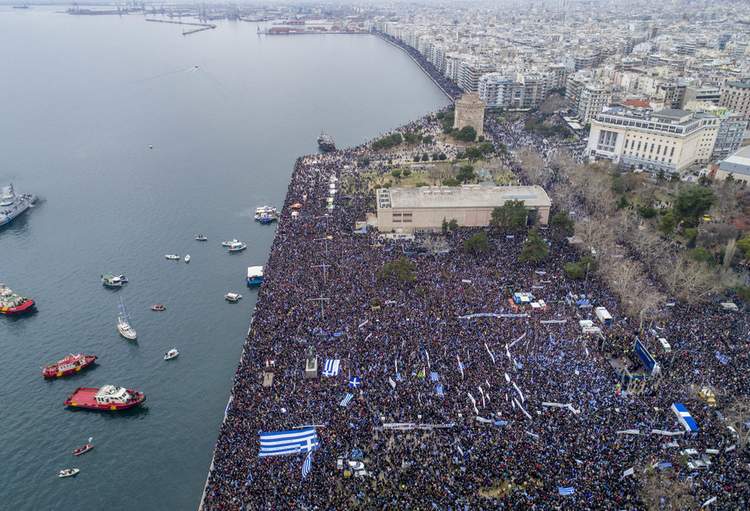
(267, 218)
(232, 297)
(158, 307)
(237, 247)
(84, 448)
(187, 258)
(265, 211)
(254, 276)
(110, 280)
(229, 242)
(173, 353)
(172, 257)
(68, 472)
(123, 324)
(201, 237)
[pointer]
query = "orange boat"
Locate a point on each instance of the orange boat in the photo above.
(106, 398)
(68, 365)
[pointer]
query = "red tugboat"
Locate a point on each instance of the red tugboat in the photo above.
(11, 303)
(69, 365)
(106, 398)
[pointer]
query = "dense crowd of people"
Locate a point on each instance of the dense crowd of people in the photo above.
(500, 404)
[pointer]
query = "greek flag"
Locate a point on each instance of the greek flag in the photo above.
(278, 443)
(307, 465)
(434, 376)
(331, 367)
(347, 398)
(355, 382)
(566, 491)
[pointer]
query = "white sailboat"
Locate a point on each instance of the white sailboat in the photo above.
(123, 324)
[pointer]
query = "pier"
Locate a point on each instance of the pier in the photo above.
(199, 26)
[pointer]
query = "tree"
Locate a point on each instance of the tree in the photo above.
(427, 139)
(466, 134)
(668, 223)
(442, 157)
(451, 181)
(702, 255)
(466, 173)
(744, 245)
(396, 173)
(647, 211)
(534, 249)
(574, 271)
(453, 225)
(511, 215)
(401, 270)
(416, 158)
(563, 223)
(444, 226)
(623, 202)
(477, 244)
(618, 184)
(693, 202)
(425, 157)
(406, 172)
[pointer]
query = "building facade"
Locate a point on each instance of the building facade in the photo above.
(425, 208)
(668, 141)
(586, 97)
(519, 91)
(735, 95)
(737, 165)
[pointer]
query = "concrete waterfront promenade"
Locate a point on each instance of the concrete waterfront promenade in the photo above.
(462, 398)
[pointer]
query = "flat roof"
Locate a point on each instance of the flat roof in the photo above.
(466, 196)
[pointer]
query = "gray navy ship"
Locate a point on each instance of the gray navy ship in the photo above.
(12, 205)
(326, 143)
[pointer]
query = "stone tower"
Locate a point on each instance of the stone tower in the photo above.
(470, 112)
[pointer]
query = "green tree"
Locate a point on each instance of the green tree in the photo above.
(574, 271)
(744, 245)
(534, 249)
(693, 202)
(477, 244)
(618, 184)
(396, 173)
(668, 223)
(401, 270)
(442, 157)
(647, 211)
(406, 172)
(466, 134)
(466, 173)
(453, 225)
(451, 181)
(623, 202)
(427, 139)
(416, 158)
(444, 226)
(425, 157)
(511, 215)
(702, 255)
(564, 224)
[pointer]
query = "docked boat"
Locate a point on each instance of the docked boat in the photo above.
(84, 448)
(187, 258)
(266, 214)
(123, 324)
(229, 242)
(254, 276)
(201, 237)
(106, 398)
(112, 280)
(68, 472)
(172, 257)
(12, 206)
(237, 246)
(326, 142)
(71, 364)
(173, 353)
(233, 297)
(158, 307)
(12, 303)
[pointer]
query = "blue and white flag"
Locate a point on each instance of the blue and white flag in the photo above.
(278, 443)
(355, 382)
(434, 376)
(566, 491)
(331, 367)
(723, 359)
(347, 398)
(307, 465)
(439, 390)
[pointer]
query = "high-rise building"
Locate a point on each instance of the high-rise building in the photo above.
(515, 91)
(735, 95)
(586, 97)
(667, 141)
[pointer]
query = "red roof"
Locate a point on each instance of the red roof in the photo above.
(636, 103)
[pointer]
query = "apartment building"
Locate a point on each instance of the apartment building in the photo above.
(735, 95)
(586, 96)
(516, 91)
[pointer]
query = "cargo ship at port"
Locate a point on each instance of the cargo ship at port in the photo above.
(71, 364)
(12, 303)
(326, 142)
(12, 205)
(107, 398)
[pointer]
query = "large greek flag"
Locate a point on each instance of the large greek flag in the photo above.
(278, 443)
(331, 367)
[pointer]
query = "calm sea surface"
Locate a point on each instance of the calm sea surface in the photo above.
(81, 100)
